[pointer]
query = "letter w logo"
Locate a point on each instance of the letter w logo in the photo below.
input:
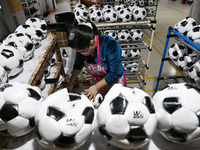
(137, 114)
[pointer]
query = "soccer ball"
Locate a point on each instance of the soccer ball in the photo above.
(132, 67)
(150, 12)
(38, 24)
(18, 105)
(126, 118)
(110, 15)
(176, 51)
(185, 62)
(107, 7)
(78, 6)
(178, 108)
(124, 35)
(21, 42)
(125, 15)
(11, 60)
(34, 34)
(125, 53)
(139, 14)
(112, 33)
(96, 16)
(3, 75)
(185, 25)
(194, 72)
(81, 14)
(194, 33)
(70, 120)
(141, 2)
(151, 2)
(134, 51)
(136, 34)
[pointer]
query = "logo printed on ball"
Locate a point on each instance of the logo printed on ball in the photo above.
(138, 114)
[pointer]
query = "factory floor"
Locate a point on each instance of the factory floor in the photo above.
(169, 12)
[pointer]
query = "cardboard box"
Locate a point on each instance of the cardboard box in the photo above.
(14, 5)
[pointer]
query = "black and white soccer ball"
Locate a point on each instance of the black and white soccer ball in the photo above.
(70, 120)
(125, 15)
(124, 35)
(134, 51)
(81, 14)
(96, 16)
(139, 14)
(112, 33)
(11, 60)
(3, 75)
(194, 33)
(186, 61)
(150, 12)
(136, 34)
(79, 6)
(127, 117)
(21, 42)
(178, 109)
(151, 2)
(34, 34)
(132, 66)
(38, 24)
(110, 15)
(194, 72)
(18, 105)
(141, 2)
(124, 53)
(185, 25)
(176, 51)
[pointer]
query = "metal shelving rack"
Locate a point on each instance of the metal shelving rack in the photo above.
(140, 76)
(29, 5)
(172, 33)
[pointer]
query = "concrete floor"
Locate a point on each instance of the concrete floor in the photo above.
(169, 12)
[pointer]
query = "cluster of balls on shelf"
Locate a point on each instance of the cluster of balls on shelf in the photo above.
(126, 118)
(19, 47)
(183, 56)
(125, 35)
(129, 54)
(110, 14)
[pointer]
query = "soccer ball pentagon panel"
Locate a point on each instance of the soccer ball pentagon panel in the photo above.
(126, 118)
(21, 42)
(70, 120)
(11, 60)
(139, 14)
(185, 25)
(38, 24)
(18, 105)
(178, 109)
(176, 51)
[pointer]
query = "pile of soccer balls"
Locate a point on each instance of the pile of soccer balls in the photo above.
(19, 47)
(109, 13)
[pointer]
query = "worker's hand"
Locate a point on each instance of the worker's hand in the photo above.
(69, 86)
(91, 92)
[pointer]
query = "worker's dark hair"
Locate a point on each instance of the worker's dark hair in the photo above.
(79, 36)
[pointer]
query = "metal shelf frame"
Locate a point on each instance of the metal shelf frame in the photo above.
(172, 33)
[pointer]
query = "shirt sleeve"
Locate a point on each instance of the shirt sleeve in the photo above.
(79, 62)
(114, 62)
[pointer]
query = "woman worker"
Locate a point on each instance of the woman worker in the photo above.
(101, 56)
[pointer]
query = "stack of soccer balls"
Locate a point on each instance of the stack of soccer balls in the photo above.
(18, 105)
(178, 109)
(19, 47)
(109, 14)
(127, 118)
